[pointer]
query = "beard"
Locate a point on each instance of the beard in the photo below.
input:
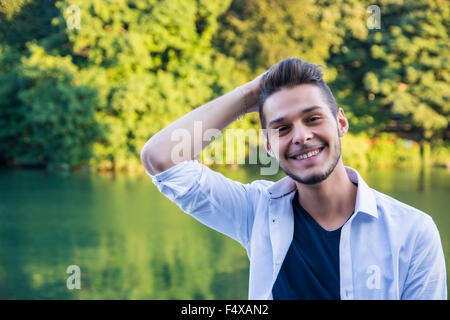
(319, 177)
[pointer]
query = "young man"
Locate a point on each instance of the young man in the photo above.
(319, 233)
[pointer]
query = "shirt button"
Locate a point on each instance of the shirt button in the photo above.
(347, 294)
(273, 220)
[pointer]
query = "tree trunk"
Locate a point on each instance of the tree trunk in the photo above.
(425, 153)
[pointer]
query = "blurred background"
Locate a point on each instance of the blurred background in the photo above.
(84, 84)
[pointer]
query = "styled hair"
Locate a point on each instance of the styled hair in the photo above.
(288, 73)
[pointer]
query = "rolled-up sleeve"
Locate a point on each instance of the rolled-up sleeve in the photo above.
(427, 278)
(213, 199)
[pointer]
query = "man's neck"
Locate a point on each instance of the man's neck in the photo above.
(330, 202)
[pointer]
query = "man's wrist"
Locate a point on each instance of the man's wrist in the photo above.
(244, 104)
(251, 95)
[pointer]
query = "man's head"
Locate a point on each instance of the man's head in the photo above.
(302, 120)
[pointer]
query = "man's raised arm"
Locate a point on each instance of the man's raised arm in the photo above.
(216, 114)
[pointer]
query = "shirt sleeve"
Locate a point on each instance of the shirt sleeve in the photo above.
(213, 199)
(426, 279)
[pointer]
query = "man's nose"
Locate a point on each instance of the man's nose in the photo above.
(302, 134)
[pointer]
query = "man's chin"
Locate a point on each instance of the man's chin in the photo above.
(316, 173)
(309, 180)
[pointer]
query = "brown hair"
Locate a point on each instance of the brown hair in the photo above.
(288, 73)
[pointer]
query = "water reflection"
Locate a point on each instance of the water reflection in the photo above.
(130, 242)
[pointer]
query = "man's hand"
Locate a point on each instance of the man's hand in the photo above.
(252, 88)
(156, 155)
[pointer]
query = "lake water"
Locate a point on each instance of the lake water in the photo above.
(130, 242)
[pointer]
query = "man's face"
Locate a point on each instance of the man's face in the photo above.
(308, 146)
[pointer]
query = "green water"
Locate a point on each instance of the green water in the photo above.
(130, 242)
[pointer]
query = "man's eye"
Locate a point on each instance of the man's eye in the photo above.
(314, 118)
(282, 129)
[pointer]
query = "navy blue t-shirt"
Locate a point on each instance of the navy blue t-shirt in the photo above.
(310, 270)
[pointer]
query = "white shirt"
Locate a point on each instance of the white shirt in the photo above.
(387, 250)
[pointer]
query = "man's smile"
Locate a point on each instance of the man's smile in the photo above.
(308, 154)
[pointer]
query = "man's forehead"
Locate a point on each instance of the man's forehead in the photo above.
(299, 100)
(301, 95)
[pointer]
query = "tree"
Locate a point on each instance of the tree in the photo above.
(261, 33)
(133, 67)
(46, 118)
(399, 76)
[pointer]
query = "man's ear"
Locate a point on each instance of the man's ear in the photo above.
(342, 122)
(267, 145)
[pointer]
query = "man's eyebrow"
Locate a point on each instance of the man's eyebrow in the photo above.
(304, 111)
(309, 109)
(275, 121)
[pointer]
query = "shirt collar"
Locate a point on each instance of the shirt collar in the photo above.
(365, 199)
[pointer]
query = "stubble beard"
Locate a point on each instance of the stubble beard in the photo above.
(316, 178)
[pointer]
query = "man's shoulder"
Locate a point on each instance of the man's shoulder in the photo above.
(259, 190)
(409, 225)
(397, 211)
(261, 185)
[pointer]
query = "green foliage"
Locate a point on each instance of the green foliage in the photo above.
(261, 33)
(404, 69)
(440, 154)
(152, 62)
(355, 149)
(9, 7)
(22, 21)
(98, 93)
(388, 150)
(45, 117)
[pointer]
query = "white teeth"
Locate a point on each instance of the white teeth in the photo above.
(307, 155)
